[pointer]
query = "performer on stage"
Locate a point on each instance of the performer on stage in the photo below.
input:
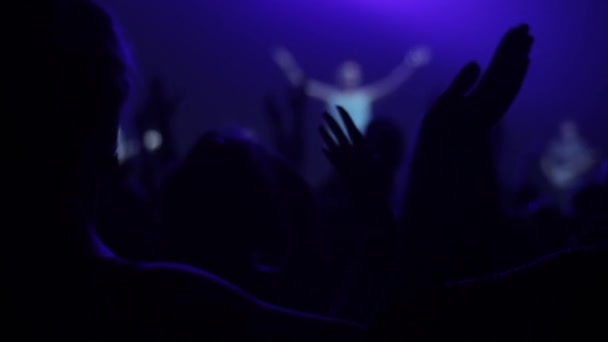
(568, 158)
(350, 93)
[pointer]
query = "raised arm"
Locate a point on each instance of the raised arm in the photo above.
(296, 77)
(450, 191)
(363, 171)
(416, 58)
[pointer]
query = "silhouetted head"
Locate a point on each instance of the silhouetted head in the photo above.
(350, 75)
(569, 130)
(88, 71)
(68, 97)
(220, 204)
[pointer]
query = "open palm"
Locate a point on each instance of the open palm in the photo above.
(461, 109)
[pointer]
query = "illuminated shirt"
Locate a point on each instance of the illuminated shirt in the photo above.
(357, 103)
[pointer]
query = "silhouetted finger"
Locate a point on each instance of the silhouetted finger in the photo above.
(517, 73)
(516, 44)
(520, 48)
(336, 130)
(508, 68)
(328, 140)
(515, 34)
(497, 92)
(519, 30)
(526, 46)
(464, 81)
(353, 132)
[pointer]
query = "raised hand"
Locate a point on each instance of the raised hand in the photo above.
(348, 151)
(419, 56)
(283, 57)
(288, 65)
(505, 76)
(452, 192)
(459, 109)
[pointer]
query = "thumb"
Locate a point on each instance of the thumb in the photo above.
(464, 81)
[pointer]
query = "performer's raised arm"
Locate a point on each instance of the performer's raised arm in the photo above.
(416, 58)
(296, 77)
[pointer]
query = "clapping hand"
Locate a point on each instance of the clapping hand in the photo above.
(460, 109)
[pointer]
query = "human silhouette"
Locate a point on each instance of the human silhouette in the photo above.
(539, 300)
(64, 283)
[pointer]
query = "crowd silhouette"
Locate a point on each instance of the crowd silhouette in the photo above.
(231, 243)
